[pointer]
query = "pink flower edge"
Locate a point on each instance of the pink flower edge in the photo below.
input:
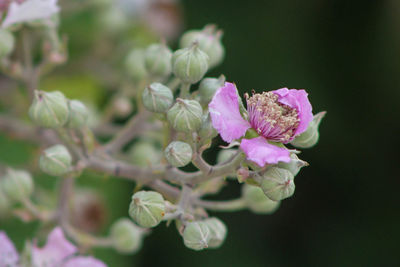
(82, 261)
(8, 254)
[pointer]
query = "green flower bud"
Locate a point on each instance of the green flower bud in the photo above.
(190, 64)
(126, 236)
(208, 87)
(78, 114)
(294, 165)
(17, 184)
(157, 97)
(178, 153)
(209, 40)
(6, 43)
(135, 65)
(196, 235)
(49, 109)
(310, 137)
(225, 154)
(277, 183)
(122, 106)
(207, 131)
(257, 201)
(55, 160)
(158, 60)
(147, 208)
(218, 232)
(185, 115)
(145, 153)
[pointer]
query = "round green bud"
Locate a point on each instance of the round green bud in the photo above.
(311, 136)
(145, 153)
(225, 154)
(6, 43)
(55, 160)
(147, 208)
(196, 235)
(207, 131)
(185, 115)
(257, 201)
(17, 184)
(49, 109)
(294, 165)
(218, 232)
(78, 114)
(208, 87)
(135, 66)
(278, 183)
(157, 97)
(122, 106)
(158, 60)
(190, 64)
(209, 40)
(126, 236)
(178, 153)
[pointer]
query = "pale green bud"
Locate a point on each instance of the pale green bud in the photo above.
(6, 43)
(158, 60)
(310, 137)
(17, 184)
(145, 153)
(218, 232)
(186, 115)
(122, 106)
(225, 154)
(257, 201)
(178, 153)
(278, 183)
(190, 64)
(294, 165)
(78, 114)
(135, 65)
(207, 131)
(196, 235)
(126, 236)
(55, 160)
(147, 208)
(49, 109)
(209, 40)
(208, 87)
(157, 97)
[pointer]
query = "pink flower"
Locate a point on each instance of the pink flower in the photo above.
(58, 252)
(277, 116)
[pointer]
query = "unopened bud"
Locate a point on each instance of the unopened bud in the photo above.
(209, 40)
(208, 87)
(147, 208)
(196, 235)
(126, 236)
(122, 106)
(310, 137)
(278, 183)
(257, 201)
(185, 115)
(294, 165)
(178, 153)
(135, 65)
(55, 160)
(78, 114)
(17, 184)
(207, 131)
(218, 232)
(158, 60)
(49, 109)
(190, 64)
(157, 97)
(145, 153)
(225, 154)
(6, 43)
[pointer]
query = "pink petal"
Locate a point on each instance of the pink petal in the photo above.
(298, 100)
(225, 114)
(55, 251)
(261, 152)
(81, 261)
(8, 254)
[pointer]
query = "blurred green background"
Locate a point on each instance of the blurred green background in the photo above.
(345, 211)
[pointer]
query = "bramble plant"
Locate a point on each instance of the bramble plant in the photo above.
(174, 112)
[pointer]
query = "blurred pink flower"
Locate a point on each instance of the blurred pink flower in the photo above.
(277, 116)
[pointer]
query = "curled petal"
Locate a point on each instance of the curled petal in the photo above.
(82, 261)
(261, 152)
(8, 254)
(297, 99)
(225, 114)
(55, 251)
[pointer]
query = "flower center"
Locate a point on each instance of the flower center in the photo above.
(271, 119)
